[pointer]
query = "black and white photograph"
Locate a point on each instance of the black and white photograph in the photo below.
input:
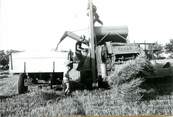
(86, 58)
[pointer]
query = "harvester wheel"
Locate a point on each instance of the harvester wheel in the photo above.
(21, 87)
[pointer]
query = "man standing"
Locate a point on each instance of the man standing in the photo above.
(95, 14)
(80, 57)
(69, 67)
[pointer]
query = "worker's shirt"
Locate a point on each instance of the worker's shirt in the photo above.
(78, 48)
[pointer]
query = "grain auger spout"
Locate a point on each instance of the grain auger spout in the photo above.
(73, 36)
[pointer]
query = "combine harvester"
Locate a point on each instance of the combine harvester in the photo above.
(106, 47)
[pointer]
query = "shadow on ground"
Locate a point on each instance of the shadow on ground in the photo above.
(157, 87)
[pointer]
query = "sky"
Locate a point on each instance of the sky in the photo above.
(39, 24)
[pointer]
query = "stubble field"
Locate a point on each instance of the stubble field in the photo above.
(119, 100)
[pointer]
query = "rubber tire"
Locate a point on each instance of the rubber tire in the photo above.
(21, 87)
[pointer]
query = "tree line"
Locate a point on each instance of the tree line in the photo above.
(167, 49)
(4, 60)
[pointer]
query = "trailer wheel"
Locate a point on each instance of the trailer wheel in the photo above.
(21, 87)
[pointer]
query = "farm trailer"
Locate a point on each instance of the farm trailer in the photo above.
(34, 66)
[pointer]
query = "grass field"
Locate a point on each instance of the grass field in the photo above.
(39, 102)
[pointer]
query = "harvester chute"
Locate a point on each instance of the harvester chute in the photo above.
(73, 36)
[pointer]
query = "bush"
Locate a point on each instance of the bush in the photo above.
(4, 60)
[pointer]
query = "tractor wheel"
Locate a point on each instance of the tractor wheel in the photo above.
(21, 87)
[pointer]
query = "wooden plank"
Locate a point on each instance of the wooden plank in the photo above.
(92, 42)
(99, 60)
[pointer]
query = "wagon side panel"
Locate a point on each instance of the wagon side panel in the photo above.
(37, 64)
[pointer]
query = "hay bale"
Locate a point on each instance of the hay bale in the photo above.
(132, 69)
(128, 77)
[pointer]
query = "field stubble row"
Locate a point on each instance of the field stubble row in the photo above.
(38, 103)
